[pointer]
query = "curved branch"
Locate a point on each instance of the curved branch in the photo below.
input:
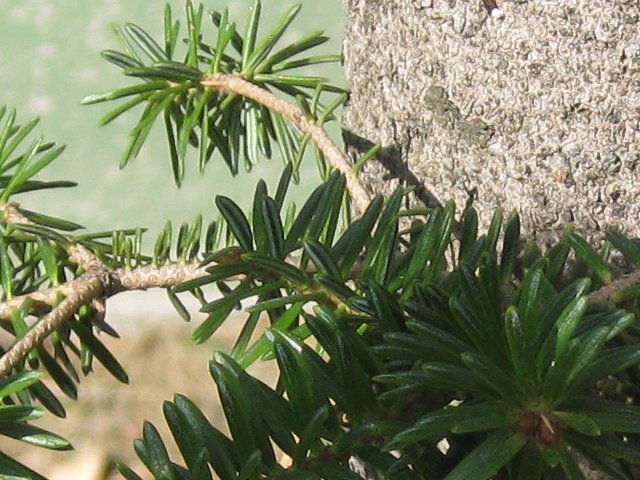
(83, 291)
(227, 83)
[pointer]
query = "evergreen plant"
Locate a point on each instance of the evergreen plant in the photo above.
(409, 344)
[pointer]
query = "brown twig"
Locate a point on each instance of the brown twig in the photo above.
(93, 287)
(227, 83)
(12, 214)
(83, 291)
(86, 289)
(85, 259)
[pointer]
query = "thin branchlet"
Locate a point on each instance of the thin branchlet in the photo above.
(83, 291)
(234, 84)
(92, 287)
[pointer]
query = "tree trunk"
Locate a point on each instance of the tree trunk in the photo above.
(528, 105)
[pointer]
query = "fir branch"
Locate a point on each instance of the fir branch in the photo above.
(234, 84)
(82, 291)
(86, 289)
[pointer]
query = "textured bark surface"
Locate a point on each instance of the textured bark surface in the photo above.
(529, 105)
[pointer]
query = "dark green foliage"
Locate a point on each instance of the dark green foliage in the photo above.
(421, 337)
(14, 423)
(505, 361)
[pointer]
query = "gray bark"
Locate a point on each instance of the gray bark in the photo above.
(529, 105)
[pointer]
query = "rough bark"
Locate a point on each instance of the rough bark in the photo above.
(529, 105)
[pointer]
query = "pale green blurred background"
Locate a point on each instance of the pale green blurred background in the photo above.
(49, 60)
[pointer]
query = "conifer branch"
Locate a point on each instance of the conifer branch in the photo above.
(234, 84)
(82, 291)
(85, 291)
